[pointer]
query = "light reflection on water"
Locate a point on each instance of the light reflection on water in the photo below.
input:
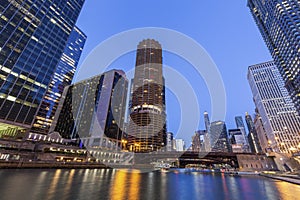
(123, 184)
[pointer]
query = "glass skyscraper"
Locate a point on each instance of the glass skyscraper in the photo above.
(93, 110)
(279, 24)
(62, 77)
(147, 123)
(33, 37)
(279, 117)
(218, 137)
(240, 125)
(252, 135)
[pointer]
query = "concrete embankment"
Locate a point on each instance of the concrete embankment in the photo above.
(57, 165)
(294, 180)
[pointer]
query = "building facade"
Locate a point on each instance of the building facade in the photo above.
(237, 141)
(279, 24)
(196, 142)
(170, 139)
(147, 123)
(240, 125)
(33, 37)
(62, 77)
(179, 145)
(261, 132)
(277, 111)
(207, 145)
(218, 137)
(252, 135)
(93, 111)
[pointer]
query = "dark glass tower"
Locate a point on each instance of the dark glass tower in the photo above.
(93, 110)
(62, 77)
(147, 123)
(279, 24)
(218, 137)
(33, 37)
(252, 135)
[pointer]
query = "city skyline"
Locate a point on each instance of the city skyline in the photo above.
(149, 100)
(224, 46)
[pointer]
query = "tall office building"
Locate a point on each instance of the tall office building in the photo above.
(237, 141)
(207, 145)
(179, 144)
(94, 110)
(170, 139)
(196, 142)
(278, 113)
(33, 37)
(239, 122)
(279, 24)
(218, 137)
(261, 132)
(147, 123)
(62, 77)
(252, 135)
(240, 125)
(206, 121)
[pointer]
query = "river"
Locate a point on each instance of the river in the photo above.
(43, 184)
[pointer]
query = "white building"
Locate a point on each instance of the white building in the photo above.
(278, 113)
(179, 145)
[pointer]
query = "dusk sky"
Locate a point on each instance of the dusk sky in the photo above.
(224, 28)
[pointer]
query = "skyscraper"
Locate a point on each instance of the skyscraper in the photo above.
(207, 144)
(33, 37)
(252, 135)
(94, 110)
(196, 142)
(218, 137)
(279, 24)
(278, 113)
(240, 125)
(237, 140)
(170, 139)
(147, 123)
(206, 121)
(62, 77)
(261, 132)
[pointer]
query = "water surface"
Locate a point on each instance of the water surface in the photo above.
(120, 184)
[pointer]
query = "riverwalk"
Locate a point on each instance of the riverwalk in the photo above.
(288, 178)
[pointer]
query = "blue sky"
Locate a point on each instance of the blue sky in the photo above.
(224, 28)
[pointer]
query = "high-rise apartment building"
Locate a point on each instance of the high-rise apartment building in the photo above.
(252, 135)
(62, 77)
(278, 113)
(33, 37)
(147, 123)
(94, 111)
(218, 137)
(279, 24)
